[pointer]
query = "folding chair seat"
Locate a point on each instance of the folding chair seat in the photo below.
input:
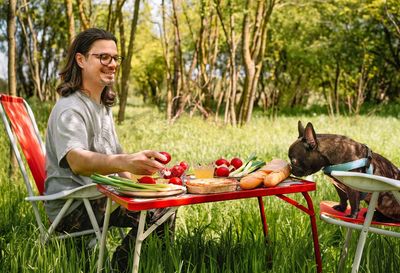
(365, 183)
(18, 119)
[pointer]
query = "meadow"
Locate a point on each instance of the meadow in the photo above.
(220, 237)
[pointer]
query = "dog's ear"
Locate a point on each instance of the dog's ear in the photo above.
(300, 128)
(310, 137)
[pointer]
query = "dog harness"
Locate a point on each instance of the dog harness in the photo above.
(352, 165)
(348, 166)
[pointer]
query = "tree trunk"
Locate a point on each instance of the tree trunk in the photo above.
(84, 18)
(179, 98)
(33, 53)
(253, 53)
(12, 80)
(165, 44)
(230, 37)
(71, 21)
(11, 27)
(126, 66)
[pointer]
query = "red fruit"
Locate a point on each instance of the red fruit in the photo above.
(177, 171)
(147, 180)
(167, 155)
(236, 162)
(222, 161)
(222, 171)
(184, 165)
(176, 181)
(166, 173)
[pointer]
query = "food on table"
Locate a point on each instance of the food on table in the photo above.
(222, 161)
(280, 170)
(250, 165)
(184, 165)
(204, 171)
(270, 175)
(211, 185)
(147, 180)
(236, 163)
(167, 155)
(222, 171)
(125, 184)
(166, 173)
(176, 181)
(177, 171)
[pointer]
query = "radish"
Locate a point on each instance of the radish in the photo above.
(175, 181)
(184, 165)
(236, 162)
(222, 171)
(167, 155)
(177, 171)
(222, 161)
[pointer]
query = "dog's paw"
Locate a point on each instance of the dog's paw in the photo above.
(352, 215)
(340, 207)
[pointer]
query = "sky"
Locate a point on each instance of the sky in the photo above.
(3, 68)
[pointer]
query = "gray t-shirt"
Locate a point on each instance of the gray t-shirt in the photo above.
(76, 121)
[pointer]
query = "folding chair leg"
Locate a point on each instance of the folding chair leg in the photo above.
(57, 220)
(92, 218)
(345, 250)
(364, 232)
(104, 236)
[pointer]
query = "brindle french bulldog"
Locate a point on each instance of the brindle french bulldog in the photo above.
(311, 152)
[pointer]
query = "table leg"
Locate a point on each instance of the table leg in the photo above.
(104, 235)
(263, 218)
(142, 235)
(317, 251)
(139, 240)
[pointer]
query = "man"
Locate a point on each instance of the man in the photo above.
(81, 138)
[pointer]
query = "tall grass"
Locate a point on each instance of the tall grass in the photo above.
(218, 237)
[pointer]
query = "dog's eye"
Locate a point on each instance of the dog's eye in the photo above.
(293, 161)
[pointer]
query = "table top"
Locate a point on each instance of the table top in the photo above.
(136, 203)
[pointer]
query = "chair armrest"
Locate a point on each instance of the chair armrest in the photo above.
(87, 191)
(367, 182)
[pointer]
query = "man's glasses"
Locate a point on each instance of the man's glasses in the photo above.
(105, 59)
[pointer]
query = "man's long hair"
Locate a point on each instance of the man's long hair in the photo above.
(71, 75)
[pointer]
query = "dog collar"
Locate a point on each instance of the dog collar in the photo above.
(348, 166)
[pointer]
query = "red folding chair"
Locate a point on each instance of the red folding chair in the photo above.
(365, 183)
(19, 120)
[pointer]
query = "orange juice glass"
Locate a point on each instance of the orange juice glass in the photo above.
(206, 171)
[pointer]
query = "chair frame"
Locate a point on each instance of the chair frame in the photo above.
(84, 193)
(365, 183)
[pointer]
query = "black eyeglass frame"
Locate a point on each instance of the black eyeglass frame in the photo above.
(117, 59)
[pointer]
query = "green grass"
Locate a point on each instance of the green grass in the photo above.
(219, 237)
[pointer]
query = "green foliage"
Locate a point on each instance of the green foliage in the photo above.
(212, 237)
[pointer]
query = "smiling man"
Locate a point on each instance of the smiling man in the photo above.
(81, 139)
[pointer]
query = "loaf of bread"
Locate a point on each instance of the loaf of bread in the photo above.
(270, 175)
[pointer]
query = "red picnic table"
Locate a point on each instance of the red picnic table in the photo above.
(289, 186)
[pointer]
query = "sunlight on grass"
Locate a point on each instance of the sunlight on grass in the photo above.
(220, 237)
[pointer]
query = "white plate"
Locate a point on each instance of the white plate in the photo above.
(174, 191)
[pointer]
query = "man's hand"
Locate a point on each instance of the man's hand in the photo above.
(83, 162)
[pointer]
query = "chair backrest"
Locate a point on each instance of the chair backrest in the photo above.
(17, 113)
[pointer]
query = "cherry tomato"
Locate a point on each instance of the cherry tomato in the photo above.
(184, 165)
(177, 171)
(222, 171)
(176, 181)
(222, 161)
(236, 162)
(147, 180)
(167, 155)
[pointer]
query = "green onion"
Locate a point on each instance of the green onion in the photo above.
(126, 184)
